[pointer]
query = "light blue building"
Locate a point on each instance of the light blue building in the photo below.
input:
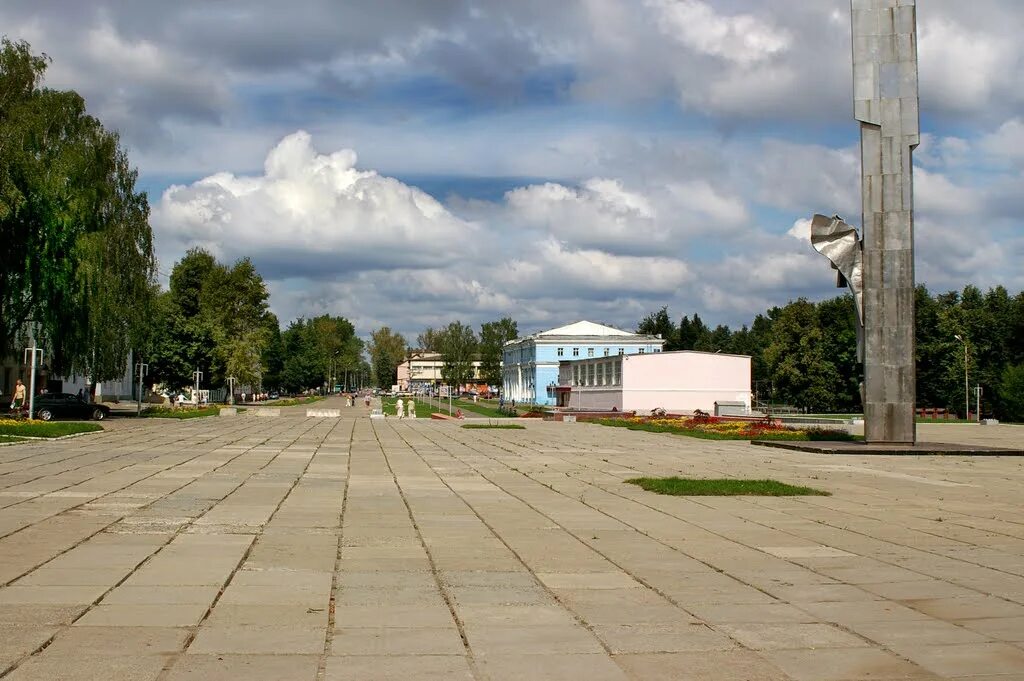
(530, 368)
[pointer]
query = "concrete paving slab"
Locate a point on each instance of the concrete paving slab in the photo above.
(345, 545)
(398, 668)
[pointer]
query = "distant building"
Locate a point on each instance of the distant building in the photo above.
(678, 382)
(421, 370)
(530, 368)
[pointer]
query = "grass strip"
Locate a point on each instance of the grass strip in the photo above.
(291, 402)
(696, 487)
(494, 426)
(10, 438)
(183, 413)
(47, 428)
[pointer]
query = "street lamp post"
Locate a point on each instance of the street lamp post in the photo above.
(36, 352)
(143, 369)
(967, 384)
(198, 375)
(231, 390)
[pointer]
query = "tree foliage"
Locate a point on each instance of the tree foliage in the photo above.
(77, 257)
(214, 318)
(493, 336)
(387, 351)
(458, 348)
(318, 351)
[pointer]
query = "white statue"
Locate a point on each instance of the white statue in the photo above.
(399, 408)
(411, 408)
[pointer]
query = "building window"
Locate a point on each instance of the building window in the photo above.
(622, 351)
(640, 351)
(561, 351)
(617, 372)
(657, 349)
(576, 375)
(600, 373)
(590, 375)
(590, 352)
(606, 352)
(575, 352)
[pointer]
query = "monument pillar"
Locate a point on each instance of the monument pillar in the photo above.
(885, 94)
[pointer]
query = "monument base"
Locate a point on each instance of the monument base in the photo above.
(876, 449)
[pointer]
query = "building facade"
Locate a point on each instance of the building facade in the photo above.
(421, 371)
(531, 364)
(679, 382)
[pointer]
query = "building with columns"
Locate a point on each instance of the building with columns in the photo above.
(530, 364)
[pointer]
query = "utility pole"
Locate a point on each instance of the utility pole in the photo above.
(143, 369)
(198, 376)
(36, 352)
(977, 402)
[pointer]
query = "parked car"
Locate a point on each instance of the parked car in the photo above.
(274, 395)
(65, 405)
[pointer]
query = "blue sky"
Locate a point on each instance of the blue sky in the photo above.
(408, 164)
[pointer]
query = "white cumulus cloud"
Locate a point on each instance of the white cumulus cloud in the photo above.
(311, 213)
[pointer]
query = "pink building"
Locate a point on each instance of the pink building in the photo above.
(678, 382)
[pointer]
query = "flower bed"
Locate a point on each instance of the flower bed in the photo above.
(719, 428)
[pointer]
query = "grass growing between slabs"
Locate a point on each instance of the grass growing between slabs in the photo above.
(695, 487)
(9, 427)
(494, 426)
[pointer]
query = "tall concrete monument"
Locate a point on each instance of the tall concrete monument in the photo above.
(885, 96)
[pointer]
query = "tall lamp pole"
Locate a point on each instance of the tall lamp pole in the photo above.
(143, 369)
(967, 385)
(36, 352)
(198, 376)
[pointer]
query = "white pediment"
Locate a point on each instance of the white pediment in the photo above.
(585, 328)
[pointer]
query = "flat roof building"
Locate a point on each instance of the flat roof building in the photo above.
(678, 382)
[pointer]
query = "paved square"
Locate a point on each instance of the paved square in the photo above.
(303, 548)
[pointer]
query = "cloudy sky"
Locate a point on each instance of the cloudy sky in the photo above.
(407, 163)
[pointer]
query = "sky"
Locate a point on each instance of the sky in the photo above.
(407, 164)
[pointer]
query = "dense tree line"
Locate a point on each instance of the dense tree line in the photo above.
(76, 249)
(320, 350)
(805, 353)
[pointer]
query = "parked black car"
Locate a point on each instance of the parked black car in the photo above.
(65, 405)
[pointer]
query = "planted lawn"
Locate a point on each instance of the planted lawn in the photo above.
(423, 408)
(494, 426)
(292, 402)
(183, 413)
(10, 438)
(695, 487)
(46, 428)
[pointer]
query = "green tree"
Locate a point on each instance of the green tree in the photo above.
(430, 339)
(458, 351)
(801, 372)
(692, 333)
(660, 324)
(1011, 392)
(493, 336)
(216, 319)
(77, 256)
(387, 350)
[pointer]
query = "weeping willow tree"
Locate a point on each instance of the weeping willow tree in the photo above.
(76, 260)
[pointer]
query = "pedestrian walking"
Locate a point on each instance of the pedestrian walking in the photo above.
(19, 396)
